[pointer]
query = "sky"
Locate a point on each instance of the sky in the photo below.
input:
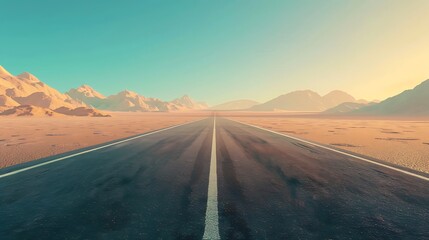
(219, 50)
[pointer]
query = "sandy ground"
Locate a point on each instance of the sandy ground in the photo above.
(400, 141)
(23, 139)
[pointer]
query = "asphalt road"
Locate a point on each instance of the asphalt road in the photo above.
(157, 187)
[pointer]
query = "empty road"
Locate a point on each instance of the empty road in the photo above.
(212, 179)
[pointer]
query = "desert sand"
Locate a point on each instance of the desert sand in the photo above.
(23, 139)
(399, 141)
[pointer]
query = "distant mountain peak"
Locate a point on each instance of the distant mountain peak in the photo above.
(307, 92)
(303, 91)
(87, 91)
(305, 100)
(28, 77)
(336, 97)
(128, 93)
(337, 92)
(423, 85)
(186, 97)
(188, 102)
(240, 104)
(85, 87)
(4, 72)
(412, 102)
(185, 100)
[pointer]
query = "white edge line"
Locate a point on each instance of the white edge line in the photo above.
(337, 151)
(211, 229)
(93, 149)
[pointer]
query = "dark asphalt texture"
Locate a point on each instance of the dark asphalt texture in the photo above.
(269, 187)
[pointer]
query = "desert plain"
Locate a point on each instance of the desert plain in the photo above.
(400, 141)
(23, 139)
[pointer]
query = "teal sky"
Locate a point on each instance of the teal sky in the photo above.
(219, 50)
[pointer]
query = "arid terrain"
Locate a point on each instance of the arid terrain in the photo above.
(401, 141)
(23, 139)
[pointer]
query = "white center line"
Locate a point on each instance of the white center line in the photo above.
(211, 230)
(91, 150)
(338, 151)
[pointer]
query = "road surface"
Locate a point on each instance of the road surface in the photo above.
(211, 179)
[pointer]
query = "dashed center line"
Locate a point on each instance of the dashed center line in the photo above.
(211, 230)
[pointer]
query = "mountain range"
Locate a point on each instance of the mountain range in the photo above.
(130, 101)
(26, 95)
(412, 102)
(26, 89)
(305, 100)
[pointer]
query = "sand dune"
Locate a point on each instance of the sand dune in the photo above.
(81, 111)
(28, 110)
(7, 101)
(40, 99)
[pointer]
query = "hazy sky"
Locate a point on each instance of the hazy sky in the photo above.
(218, 50)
